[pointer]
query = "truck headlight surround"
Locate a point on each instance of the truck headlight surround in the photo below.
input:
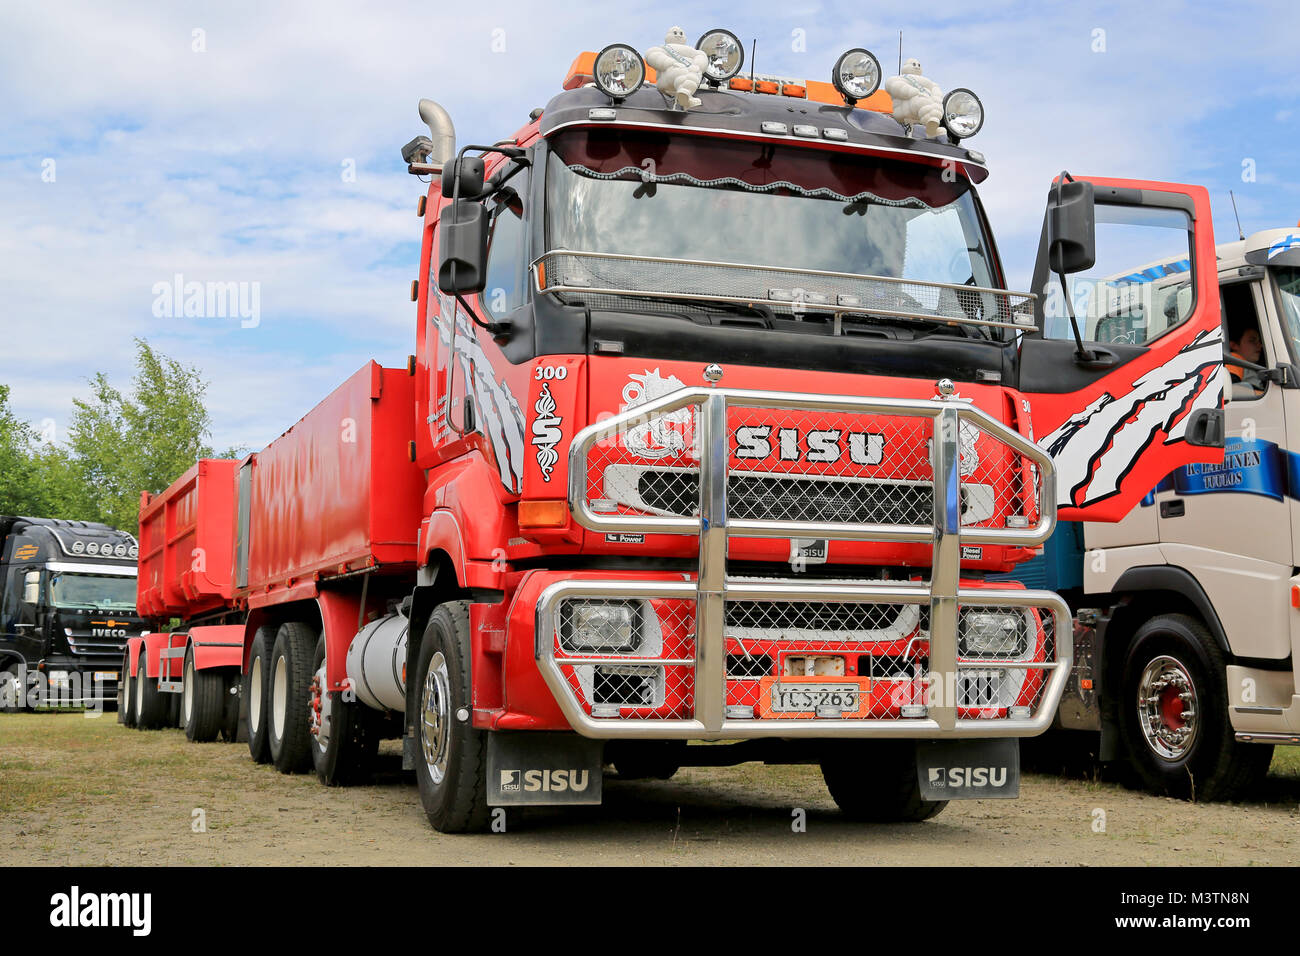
(618, 71)
(725, 52)
(596, 626)
(856, 75)
(963, 114)
(991, 633)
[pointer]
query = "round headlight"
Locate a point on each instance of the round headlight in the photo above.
(856, 75)
(963, 113)
(725, 52)
(619, 70)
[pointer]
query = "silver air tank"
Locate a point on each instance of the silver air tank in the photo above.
(376, 663)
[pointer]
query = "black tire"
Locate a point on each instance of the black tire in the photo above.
(351, 744)
(254, 691)
(230, 691)
(451, 763)
(151, 705)
(1170, 656)
(126, 712)
(289, 695)
(202, 703)
(648, 760)
(877, 783)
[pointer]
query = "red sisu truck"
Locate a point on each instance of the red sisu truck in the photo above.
(718, 420)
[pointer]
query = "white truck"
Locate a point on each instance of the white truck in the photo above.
(1187, 612)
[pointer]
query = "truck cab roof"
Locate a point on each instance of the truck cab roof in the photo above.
(37, 541)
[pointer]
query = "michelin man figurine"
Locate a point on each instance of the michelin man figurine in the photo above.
(917, 100)
(679, 68)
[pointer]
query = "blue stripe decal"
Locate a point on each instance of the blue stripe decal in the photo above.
(1249, 467)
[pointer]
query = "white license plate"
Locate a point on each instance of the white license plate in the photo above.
(797, 697)
(105, 675)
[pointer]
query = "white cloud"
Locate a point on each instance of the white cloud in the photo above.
(225, 165)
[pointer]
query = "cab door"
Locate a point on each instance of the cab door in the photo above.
(1146, 396)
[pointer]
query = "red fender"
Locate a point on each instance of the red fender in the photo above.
(220, 646)
(339, 614)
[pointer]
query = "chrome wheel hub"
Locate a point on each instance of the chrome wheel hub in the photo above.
(318, 715)
(435, 717)
(188, 691)
(1166, 707)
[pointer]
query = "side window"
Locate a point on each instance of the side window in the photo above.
(1141, 285)
(1241, 332)
(507, 265)
(12, 600)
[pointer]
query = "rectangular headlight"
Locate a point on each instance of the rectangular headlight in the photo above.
(601, 627)
(993, 633)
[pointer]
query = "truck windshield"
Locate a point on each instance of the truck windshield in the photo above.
(692, 198)
(92, 591)
(1288, 286)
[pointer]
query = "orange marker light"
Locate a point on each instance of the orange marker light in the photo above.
(1086, 683)
(767, 86)
(1295, 595)
(543, 514)
(793, 89)
(742, 84)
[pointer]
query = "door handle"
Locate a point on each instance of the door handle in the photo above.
(1097, 358)
(1173, 509)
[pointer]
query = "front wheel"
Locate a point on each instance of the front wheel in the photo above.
(877, 782)
(255, 693)
(452, 764)
(151, 707)
(126, 712)
(12, 692)
(1173, 715)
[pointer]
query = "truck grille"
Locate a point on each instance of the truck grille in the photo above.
(87, 646)
(792, 498)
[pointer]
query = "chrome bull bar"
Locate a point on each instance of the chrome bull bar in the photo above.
(713, 589)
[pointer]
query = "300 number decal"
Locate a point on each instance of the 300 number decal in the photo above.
(547, 372)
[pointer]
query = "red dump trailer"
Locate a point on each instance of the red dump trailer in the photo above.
(334, 499)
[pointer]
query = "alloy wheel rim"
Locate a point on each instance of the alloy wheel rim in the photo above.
(435, 718)
(1167, 708)
(318, 711)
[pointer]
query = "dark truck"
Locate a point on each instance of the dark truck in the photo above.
(67, 606)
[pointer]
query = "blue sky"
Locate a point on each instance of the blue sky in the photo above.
(222, 154)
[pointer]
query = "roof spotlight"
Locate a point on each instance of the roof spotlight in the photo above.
(725, 52)
(963, 114)
(619, 71)
(856, 75)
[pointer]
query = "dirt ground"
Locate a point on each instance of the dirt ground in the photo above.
(85, 791)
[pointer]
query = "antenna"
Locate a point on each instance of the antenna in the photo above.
(753, 56)
(1240, 234)
(900, 51)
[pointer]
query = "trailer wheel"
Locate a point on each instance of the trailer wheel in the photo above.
(1173, 715)
(452, 763)
(877, 782)
(151, 707)
(344, 742)
(289, 697)
(126, 712)
(202, 702)
(255, 692)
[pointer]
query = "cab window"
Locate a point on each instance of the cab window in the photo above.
(1141, 285)
(1245, 341)
(506, 288)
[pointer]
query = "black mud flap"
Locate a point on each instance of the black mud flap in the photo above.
(543, 769)
(969, 769)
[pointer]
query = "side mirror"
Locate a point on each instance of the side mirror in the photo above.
(32, 588)
(1071, 227)
(462, 248)
(470, 173)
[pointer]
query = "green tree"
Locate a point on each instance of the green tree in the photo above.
(16, 439)
(122, 444)
(118, 445)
